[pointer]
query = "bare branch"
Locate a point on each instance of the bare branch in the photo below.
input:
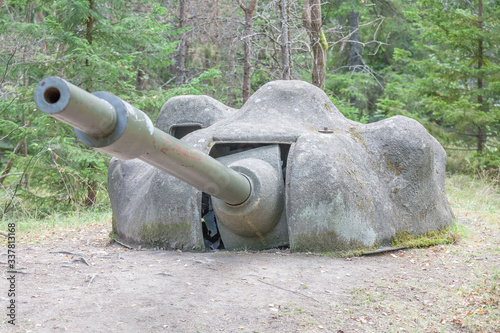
(7, 107)
(8, 64)
(15, 129)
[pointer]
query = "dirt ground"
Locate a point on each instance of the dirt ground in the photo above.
(77, 281)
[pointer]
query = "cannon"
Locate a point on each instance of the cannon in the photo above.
(287, 169)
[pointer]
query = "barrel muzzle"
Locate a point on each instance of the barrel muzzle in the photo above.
(106, 122)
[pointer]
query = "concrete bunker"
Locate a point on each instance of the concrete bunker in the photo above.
(287, 169)
(181, 130)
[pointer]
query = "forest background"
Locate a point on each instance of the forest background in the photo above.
(436, 61)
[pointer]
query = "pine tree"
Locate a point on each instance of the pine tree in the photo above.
(95, 44)
(462, 81)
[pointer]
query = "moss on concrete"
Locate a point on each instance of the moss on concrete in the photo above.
(394, 168)
(114, 228)
(169, 236)
(329, 243)
(113, 234)
(357, 136)
(429, 238)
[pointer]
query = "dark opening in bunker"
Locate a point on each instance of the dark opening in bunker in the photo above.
(211, 235)
(179, 131)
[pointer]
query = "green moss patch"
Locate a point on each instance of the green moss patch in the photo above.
(114, 229)
(171, 236)
(447, 235)
(329, 244)
(394, 168)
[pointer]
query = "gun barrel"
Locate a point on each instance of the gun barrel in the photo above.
(75, 107)
(106, 122)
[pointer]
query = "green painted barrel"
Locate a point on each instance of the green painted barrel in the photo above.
(106, 122)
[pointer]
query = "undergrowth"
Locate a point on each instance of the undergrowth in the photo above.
(32, 229)
(480, 193)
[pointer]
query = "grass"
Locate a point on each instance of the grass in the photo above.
(476, 202)
(31, 230)
(480, 194)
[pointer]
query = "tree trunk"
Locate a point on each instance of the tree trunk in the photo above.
(90, 200)
(216, 57)
(285, 44)
(141, 78)
(180, 59)
(10, 162)
(90, 25)
(21, 144)
(481, 135)
(91, 194)
(230, 76)
(355, 46)
(25, 154)
(247, 47)
(312, 23)
(141, 81)
(230, 65)
(88, 36)
(39, 18)
(355, 59)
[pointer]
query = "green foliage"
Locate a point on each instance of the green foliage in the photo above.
(154, 99)
(353, 94)
(103, 47)
(432, 76)
(451, 85)
(428, 71)
(420, 58)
